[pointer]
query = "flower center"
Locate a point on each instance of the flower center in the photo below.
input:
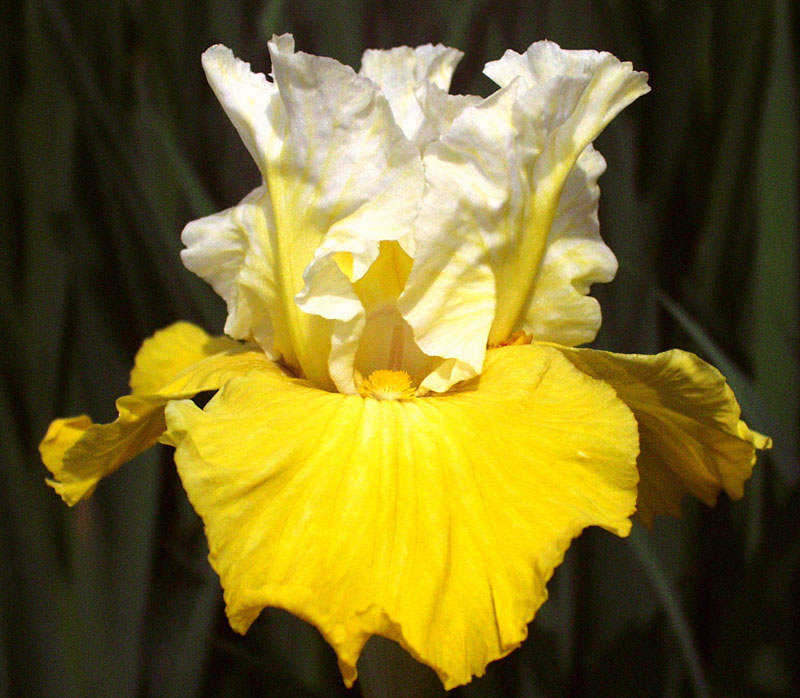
(388, 385)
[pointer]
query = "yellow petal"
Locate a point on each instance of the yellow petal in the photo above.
(435, 521)
(171, 351)
(177, 362)
(692, 439)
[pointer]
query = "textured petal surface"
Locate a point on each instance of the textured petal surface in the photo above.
(507, 235)
(250, 101)
(176, 362)
(233, 251)
(339, 177)
(575, 257)
(435, 522)
(403, 74)
(566, 98)
(692, 438)
(472, 198)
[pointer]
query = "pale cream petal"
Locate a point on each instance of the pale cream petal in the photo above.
(575, 257)
(472, 198)
(339, 177)
(692, 438)
(401, 72)
(250, 101)
(355, 168)
(499, 249)
(434, 521)
(565, 99)
(232, 251)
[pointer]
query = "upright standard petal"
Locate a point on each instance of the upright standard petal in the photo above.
(403, 74)
(472, 197)
(177, 362)
(434, 521)
(339, 177)
(575, 257)
(233, 251)
(692, 438)
(251, 102)
(566, 99)
(508, 221)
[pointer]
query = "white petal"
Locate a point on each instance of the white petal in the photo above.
(497, 251)
(228, 250)
(351, 176)
(339, 176)
(401, 71)
(249, 100)
(566, 99)
(574, 259)
(473, 195)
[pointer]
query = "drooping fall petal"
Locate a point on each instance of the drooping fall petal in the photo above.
(177, 362)
(434, 521)
(692, 438)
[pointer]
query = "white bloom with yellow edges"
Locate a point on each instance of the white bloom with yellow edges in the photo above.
(404, 441)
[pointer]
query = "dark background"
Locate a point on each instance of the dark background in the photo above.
(111, 141)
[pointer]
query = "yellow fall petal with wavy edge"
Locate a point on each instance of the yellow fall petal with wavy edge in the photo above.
(177, 362)
(435, 521)
(692, 438)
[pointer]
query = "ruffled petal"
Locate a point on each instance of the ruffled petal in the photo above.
(692, 438)
(250, 101)
(575, 257)
(349, 167)
(171, 351)
(232, 251)
(565, 99)
(177, 362)
(402, 73)
(339, 177)
(507, 234)
(473, 189)
(435, 521)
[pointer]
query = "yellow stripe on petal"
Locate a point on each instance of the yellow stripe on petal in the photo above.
(435, 521)
(177, 362)
(692, 438)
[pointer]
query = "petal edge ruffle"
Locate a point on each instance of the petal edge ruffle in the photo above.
(80, 453)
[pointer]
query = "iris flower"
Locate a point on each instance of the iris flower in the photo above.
(404, 438)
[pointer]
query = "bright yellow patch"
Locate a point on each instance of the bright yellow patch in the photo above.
(692, 438)
(435, 522)
(177, 362)
(388, 385)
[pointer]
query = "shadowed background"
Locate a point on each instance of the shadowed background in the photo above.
(112, 141)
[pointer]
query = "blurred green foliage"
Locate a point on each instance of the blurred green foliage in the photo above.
(112, 141)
